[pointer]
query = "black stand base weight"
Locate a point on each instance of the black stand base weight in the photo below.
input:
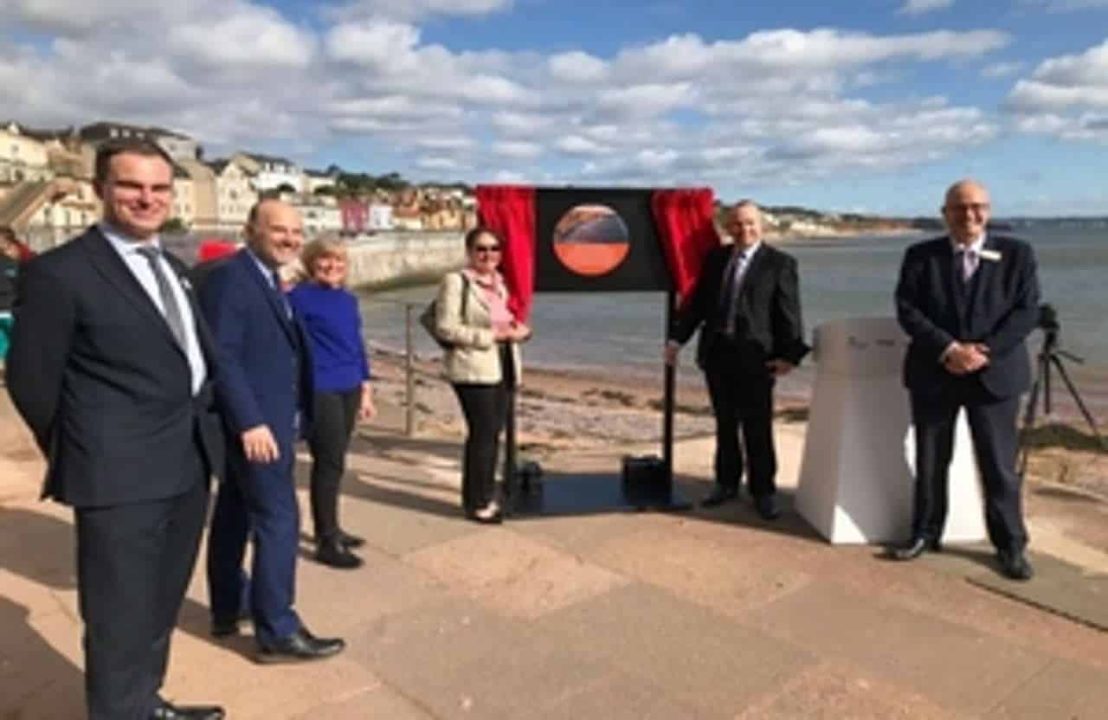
(645, 483)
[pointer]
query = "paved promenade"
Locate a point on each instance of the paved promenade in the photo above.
(692, 615)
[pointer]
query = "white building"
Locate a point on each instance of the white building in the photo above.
(380, 217)
(272, 173)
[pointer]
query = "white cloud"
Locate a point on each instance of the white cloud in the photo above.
(919, 7)
(1001, 69)
(517, 149)
(1066, 96)
(439, 163)
(577, 67)
(778, 104)
(416, 9)
(248, 36)
(578, 145)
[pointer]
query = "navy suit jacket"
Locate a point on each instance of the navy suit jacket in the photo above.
(1000, 309)
(266, 369)
(768, 324)
(107, 391)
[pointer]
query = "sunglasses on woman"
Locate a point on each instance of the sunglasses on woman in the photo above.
(485, 249)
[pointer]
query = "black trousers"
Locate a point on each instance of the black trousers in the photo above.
(133, 567)
(333, 422)
(485, 408)
(742, 401)
(992, 425)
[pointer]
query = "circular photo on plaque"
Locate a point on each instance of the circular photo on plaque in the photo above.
(591, 240)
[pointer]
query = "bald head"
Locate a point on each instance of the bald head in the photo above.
(966, 211)
(274, 232)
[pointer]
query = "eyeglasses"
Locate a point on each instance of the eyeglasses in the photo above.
(484, 249)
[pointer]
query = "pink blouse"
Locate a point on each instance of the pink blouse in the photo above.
(495, 295)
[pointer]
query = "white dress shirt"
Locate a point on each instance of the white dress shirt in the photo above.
(140, 268)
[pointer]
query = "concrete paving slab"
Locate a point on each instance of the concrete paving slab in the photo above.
(515, 575)
(955, 666)
(701, 571)
(396, 521)
(461, 660)
(832, 691)
(618, 696)
(335, 601)
(578, 534)
(40, 665)
(1062, 690)
(377, 702)
(1058, 587)
(696, 656)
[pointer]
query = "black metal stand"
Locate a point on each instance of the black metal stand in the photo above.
(529, 493)
(1051, 356)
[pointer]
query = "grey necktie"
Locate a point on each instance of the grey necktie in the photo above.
(169, 300)
(969, 264)
(735, 270)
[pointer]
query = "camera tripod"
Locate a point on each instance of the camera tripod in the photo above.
(1050, 355)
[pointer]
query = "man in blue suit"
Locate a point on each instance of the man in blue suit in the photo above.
(968, 301)
(266, 400)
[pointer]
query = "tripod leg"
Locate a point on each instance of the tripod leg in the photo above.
(1041, 373)
(1077, 398)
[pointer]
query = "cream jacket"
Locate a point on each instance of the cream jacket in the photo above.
(475, 355)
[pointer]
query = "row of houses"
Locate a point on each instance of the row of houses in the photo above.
(46, 182)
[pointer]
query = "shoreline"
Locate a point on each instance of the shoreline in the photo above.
(580, 409)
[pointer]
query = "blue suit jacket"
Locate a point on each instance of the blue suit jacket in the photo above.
(999, 309)
(266, 369)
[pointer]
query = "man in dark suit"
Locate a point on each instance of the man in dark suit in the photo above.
(747, 306)
(968, 301)
(112, 368)
(266, 397)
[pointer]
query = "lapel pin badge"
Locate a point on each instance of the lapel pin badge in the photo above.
(990, 255)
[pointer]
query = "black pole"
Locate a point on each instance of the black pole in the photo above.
(669, 392)
(511, 490)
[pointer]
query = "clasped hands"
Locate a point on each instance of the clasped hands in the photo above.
(516, 332)
(965, 358)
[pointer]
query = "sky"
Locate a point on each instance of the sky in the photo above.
(842, 105)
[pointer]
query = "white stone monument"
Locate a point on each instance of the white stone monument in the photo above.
(856, 478)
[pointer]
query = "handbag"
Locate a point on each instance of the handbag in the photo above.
(427, 318)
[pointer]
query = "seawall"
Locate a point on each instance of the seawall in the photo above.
(399, 258)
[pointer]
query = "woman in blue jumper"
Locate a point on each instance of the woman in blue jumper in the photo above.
(343, 394)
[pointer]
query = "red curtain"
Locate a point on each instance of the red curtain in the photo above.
(684, 219)
(510, 211)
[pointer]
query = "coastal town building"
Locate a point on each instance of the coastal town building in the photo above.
(177, 145)
(235, 190)
(270, 173)
(315, 181)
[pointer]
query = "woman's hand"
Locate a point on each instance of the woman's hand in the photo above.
(366, 409)
(519, 332)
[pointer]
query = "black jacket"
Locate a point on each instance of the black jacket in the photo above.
(768, 322)
(97, 375)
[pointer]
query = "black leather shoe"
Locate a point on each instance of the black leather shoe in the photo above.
(766, 507)
(914, 548)
(298, 647)
(225, 628)
(1014, 565)
(718, 496)
(350, 541)
(165, 711)
(334, 554)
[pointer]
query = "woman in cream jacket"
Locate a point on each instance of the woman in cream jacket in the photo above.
(482, 362)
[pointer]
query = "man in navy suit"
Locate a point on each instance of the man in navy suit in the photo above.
(747, 306)
(265, 397)
(968, 301)
(112, 368)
